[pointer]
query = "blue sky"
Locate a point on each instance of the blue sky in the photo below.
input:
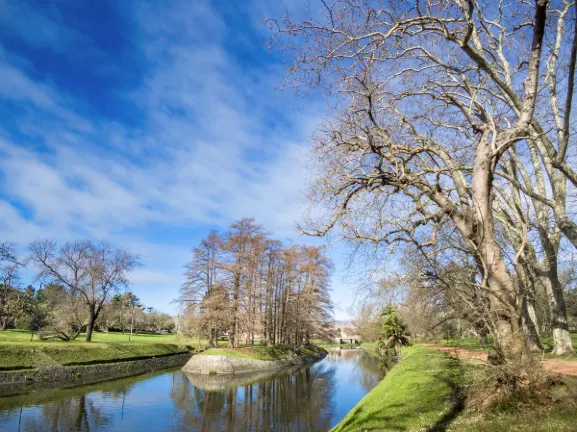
(147, 124)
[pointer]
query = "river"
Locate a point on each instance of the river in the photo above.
(312, 398)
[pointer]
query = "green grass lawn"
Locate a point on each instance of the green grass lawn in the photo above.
(416, 394)
(473, 344)
(274, 352)
(24, 336)
(17, 356)
(336, 345)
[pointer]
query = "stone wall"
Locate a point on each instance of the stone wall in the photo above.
(221, 365)
(13, 382)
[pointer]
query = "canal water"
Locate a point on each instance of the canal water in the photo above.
(312, 398)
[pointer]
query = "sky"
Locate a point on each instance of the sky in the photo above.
(147, 124)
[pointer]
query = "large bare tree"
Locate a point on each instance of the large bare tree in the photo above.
(91, 271)
(432, 101)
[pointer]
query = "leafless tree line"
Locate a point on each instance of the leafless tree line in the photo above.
(244, 284)
(449, 130)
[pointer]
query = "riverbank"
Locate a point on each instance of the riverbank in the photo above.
(27, 366)
(223, 361)
(417, 393)
(425, 391)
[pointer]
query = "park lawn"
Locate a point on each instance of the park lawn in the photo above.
(24, 336)
(18, 356)
(469, 343)
(417, 394)
(336, 345)
(370, 345)
(472, 344)
(274, 352)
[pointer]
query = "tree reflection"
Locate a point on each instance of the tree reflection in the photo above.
(297, 401)
(302, 399)
(79, 414)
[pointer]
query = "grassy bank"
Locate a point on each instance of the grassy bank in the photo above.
(417, 393)
(274, 352)
(19, 356)
(423, 392)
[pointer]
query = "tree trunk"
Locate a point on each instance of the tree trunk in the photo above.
(233, 338)
(551, 240)
(505, 309)
(562, 343)
(90, 326)
(530, 325)
(484, 338)
(561, 337)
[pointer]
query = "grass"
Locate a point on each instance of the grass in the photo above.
(24, 336)
(558, 415)
(274, 352)
(472, 344)
(556, 421)
(548, 342)
(16, 356)
(336, 345)
(423, 393)
(417, 394)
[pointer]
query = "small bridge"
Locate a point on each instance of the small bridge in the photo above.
(345, 333)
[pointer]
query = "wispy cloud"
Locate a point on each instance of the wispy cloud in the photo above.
(209, 141)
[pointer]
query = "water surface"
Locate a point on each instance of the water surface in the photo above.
(312, 398)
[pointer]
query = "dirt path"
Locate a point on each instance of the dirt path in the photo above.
(564, 367)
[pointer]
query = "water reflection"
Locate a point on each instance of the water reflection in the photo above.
(314, 398)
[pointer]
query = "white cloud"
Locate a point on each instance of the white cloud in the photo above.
(205, 156)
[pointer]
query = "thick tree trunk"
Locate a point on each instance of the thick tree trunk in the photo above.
(561, 338)
(562, 343)
(551, 240)
(505, 309)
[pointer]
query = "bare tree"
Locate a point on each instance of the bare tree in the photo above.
(429, 97)
(89, 270)
(249, 285)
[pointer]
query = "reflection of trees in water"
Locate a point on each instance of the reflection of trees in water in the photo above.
(79, 414)
(300, 401)
(195, 407)
(74, 409)
(367, 371)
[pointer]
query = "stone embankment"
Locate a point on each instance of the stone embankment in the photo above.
(14, 382)
(223, 365)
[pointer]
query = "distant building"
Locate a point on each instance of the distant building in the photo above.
(344, 332)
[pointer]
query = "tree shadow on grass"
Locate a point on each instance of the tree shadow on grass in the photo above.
(457, 407)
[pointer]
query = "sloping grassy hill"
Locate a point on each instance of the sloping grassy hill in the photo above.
(15, 356)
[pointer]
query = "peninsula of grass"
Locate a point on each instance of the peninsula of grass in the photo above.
(417, 394)
(21, 356)
(274, 352)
